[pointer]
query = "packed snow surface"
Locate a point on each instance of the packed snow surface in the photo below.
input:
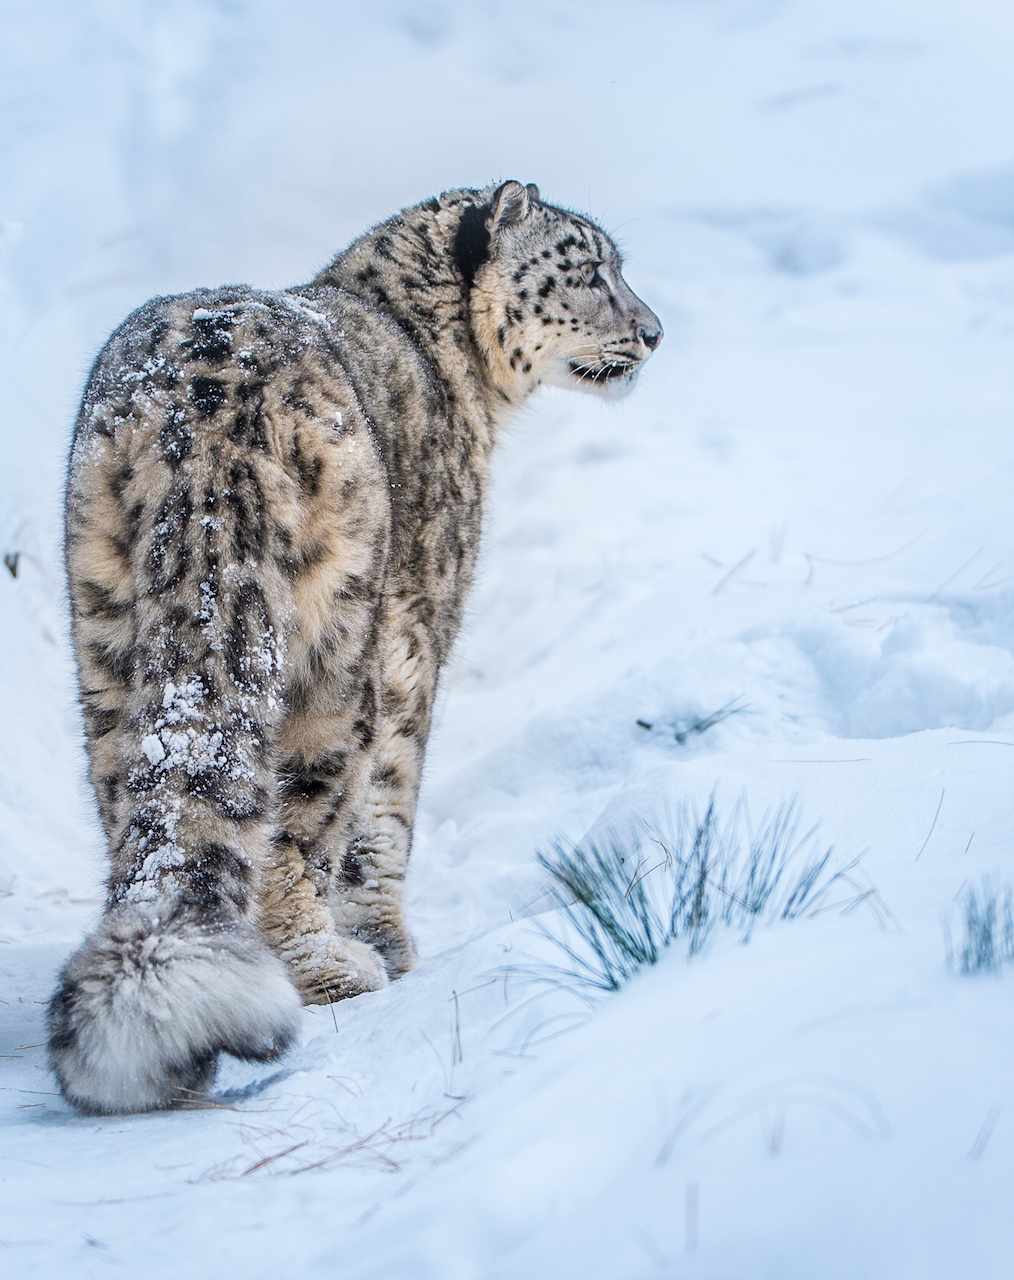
(805, 506)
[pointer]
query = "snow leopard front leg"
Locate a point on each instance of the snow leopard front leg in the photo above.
(368, 901)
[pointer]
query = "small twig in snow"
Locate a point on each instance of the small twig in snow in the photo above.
(456, 1054)
(860, 564)
(330, 1005)
(266, 1160)
(853, 760)
(947, 581)
(443, 1069)
(932, 825)
(985, 1133)
(653, 1251)
(735, 569)
(716, 717)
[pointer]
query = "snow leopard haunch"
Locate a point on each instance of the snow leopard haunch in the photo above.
(273, 515)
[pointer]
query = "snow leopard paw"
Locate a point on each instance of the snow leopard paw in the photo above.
(397, 948)
(326, 968)
(148, 1002)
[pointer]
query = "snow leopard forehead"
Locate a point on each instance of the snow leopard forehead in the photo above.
(551, 234)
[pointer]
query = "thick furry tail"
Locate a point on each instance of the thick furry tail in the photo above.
(145, 1006)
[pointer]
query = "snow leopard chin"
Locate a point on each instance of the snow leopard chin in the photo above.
(152, 998)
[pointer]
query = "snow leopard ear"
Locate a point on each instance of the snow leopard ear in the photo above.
(510, 205)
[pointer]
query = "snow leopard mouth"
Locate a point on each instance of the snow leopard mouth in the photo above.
(602, 370)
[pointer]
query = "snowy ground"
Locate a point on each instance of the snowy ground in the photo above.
(806, 505)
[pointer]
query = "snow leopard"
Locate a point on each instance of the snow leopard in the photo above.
(272, 520)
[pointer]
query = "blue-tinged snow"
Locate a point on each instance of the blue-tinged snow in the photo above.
(806, 506)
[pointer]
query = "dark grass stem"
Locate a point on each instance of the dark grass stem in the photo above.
(987, 915)
(623, 904)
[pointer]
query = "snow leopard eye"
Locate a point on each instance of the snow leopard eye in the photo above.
(590, 272)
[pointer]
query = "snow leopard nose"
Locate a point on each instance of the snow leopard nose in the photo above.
(650, 337)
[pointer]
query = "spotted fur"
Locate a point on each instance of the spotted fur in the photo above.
(273, 515)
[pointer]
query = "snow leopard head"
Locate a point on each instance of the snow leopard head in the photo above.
(548, 301)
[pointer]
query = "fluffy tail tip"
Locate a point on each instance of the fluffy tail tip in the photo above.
(150, 1000)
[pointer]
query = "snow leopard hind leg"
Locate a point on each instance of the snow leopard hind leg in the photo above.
(325, 745)
(185, 545)
(354, 833)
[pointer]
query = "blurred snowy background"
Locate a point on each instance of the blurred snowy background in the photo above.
(805, 506)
